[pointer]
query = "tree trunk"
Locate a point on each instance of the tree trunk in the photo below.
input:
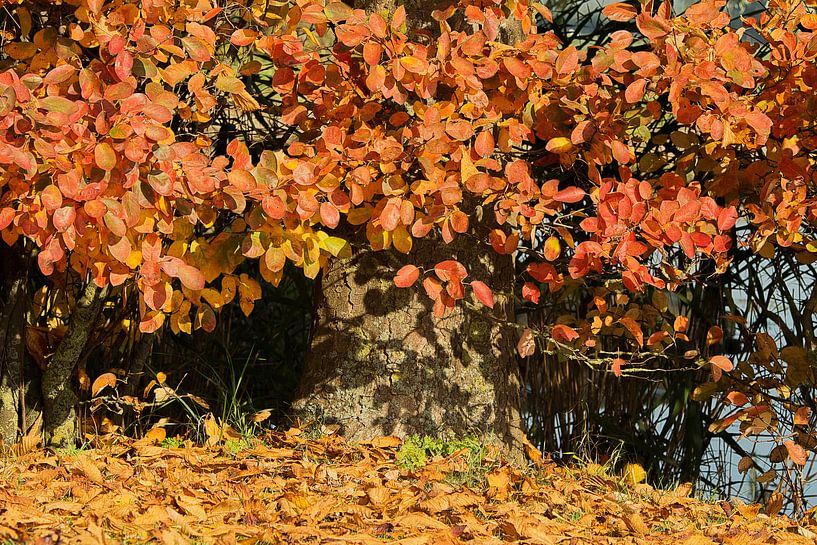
(380, 363)
(13, 376)
(58, 392)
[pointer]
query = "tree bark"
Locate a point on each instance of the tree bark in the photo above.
(12, 347)
(380, 363)
(58, 392)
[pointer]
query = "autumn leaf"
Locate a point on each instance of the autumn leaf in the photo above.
(105, 157)
(483, 293)
(619, 11)
(563, 333)
(527, 344)
(406, 276)
(722, 362)
(797, 453)
(105, 380)
(552, 248)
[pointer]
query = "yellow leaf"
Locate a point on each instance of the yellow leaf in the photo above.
(134, 259)
(552, 248)
(467, 168)
(560, 144)
(402, 239)
(336, 246)
(634, 474)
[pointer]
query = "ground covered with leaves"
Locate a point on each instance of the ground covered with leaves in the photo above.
(289, 489)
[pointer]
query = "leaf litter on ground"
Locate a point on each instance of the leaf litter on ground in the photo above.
(288, 489)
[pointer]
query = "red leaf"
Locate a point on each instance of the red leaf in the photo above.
(737, 398)
(727, 218)
(483, 293)
(406, 276)
(123, 65)
(563, 333)
(531, 292)
(616, 367)
(543, 272)
(450, 270)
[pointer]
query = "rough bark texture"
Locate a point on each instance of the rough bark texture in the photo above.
(380, 363)
(58, 393)
(12, 346)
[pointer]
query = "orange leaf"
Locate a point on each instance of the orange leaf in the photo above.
(635, 91)
(406, 276)
(802, 416)
(459, 129)
(243, 37)
(737, 398)
(414, 65)
(105, 380)
(721, 362)
(567, 61)
(797, 453)
(619, 11)
(634, 328)
(531, 292)
(484, 144)
(560, 144)
(569, 195)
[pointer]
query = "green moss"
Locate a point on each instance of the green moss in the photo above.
(234, 446)
(172, 442)
(416, 450)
